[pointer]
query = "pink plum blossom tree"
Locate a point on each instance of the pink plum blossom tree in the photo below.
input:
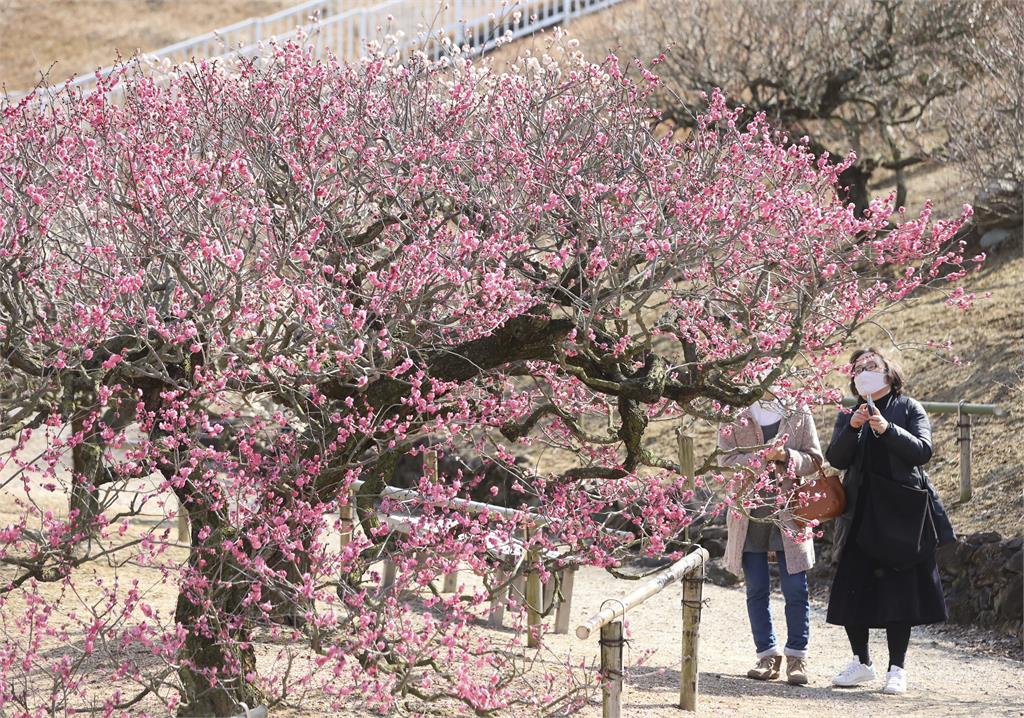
(248, 291)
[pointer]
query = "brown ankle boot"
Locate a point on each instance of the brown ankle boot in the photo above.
(767, 668)
(796, 670)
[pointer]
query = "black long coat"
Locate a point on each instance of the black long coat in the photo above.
(908, 443)
(865, 592)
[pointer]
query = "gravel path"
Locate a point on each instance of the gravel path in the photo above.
(944, 679)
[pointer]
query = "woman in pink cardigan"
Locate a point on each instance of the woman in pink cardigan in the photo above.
(750, 542)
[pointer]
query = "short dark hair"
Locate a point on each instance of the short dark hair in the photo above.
(892, 370)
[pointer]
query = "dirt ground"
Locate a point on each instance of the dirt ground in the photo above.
(947, 675)
(944, 678)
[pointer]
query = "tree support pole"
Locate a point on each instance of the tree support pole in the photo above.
(687, 466)
(611, 669)
(689, 675)
(964, 440)
(534, 598)
(564, 612)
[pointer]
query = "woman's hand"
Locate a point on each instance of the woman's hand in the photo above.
(860, 416)
(780, 454)
(878, 423)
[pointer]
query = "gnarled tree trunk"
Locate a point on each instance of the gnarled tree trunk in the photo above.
(203, 653)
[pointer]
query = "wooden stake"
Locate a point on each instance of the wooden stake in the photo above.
(390, 571)
(430, 471)
(964, 439)
(517, 591)
(498, 598)
(534, 597)
(548, 593)
(430, 465)
(184, 535)
(689, 675)
(611, 669)
(347, 514)
(686, 465)
(564, 613)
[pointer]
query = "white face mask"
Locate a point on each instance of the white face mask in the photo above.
(766, 413)
(870, 382)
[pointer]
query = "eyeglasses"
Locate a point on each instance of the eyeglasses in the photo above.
(867, 366)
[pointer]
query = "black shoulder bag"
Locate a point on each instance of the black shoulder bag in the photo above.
(897, 528)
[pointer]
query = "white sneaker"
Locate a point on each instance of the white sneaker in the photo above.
(895, 681)
(854, 674)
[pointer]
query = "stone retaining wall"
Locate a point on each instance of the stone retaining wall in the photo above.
(982, 576)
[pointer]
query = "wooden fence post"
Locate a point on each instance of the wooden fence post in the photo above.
(964, 439)
(184, 535)
(564, 612)
(387, 581)
(430, 470)
(498, 598)
(686, 466)
(517, 591)
(347, 515)
(611, 669)
(689, 674)
(547, 592)
(430, 465)
(534, 598)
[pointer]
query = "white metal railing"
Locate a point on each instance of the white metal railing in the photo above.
(345, 32)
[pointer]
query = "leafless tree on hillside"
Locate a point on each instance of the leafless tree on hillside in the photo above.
(987, 121)
(850, 74)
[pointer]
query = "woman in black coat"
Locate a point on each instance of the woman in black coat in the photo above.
(879, 582)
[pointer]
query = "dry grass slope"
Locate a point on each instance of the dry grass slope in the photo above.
(77, 37)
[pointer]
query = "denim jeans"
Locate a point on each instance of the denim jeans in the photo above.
(794, 590)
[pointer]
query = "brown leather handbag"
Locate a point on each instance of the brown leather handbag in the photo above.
(820, 499)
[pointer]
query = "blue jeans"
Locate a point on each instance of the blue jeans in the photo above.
(794, 589)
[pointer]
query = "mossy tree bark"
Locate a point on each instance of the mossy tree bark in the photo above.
(203, 655)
